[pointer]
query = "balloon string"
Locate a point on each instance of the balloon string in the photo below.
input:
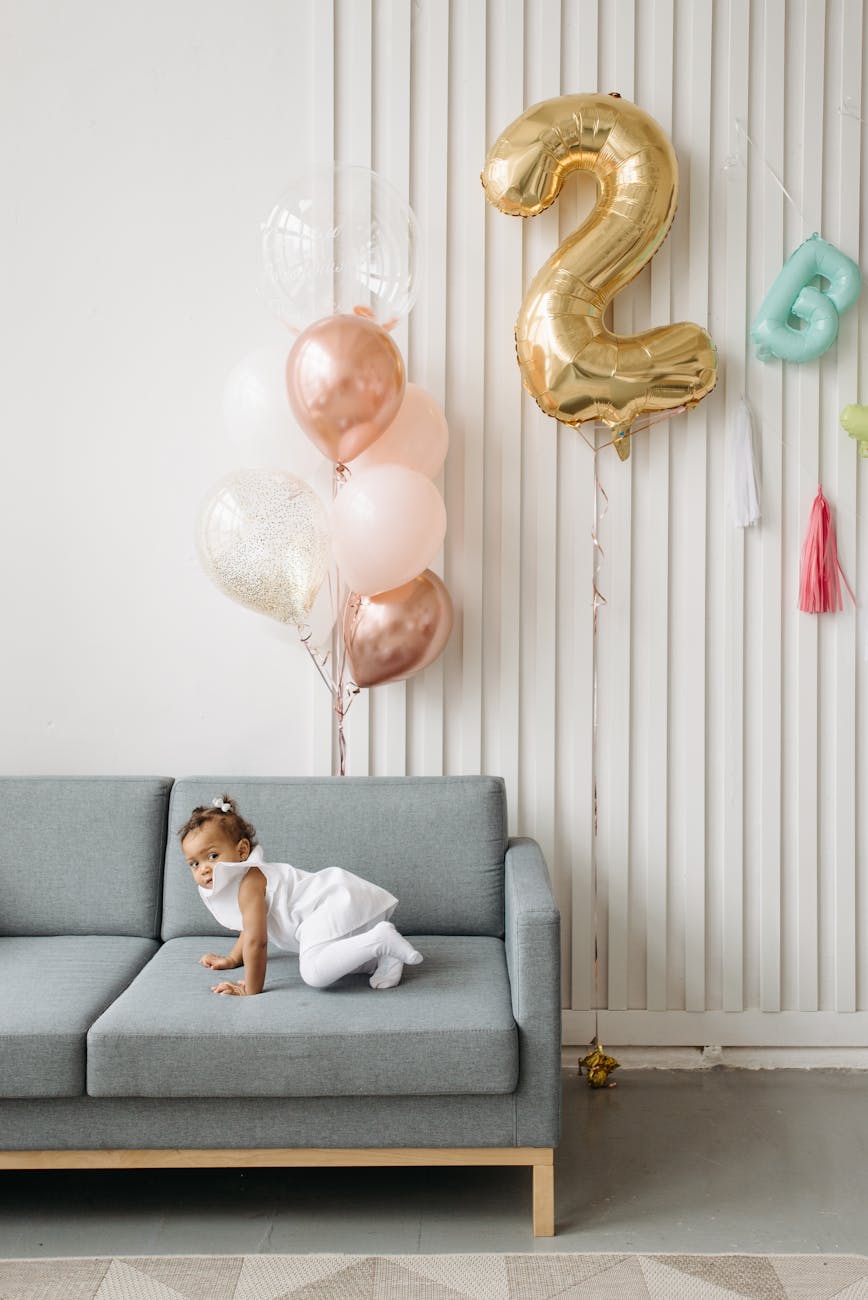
(742, 130)
(342, 690)
(342, 694)
(600, 500)
(632, 431)
(346, 690)
(319, 662)
(601, 505)
(342, 697)
(809, 473)
(600, 554)
(855, 515)
(601, 509)
(343, 700)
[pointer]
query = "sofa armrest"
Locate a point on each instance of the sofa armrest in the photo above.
(532, 937)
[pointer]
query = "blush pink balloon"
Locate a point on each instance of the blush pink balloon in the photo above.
(418, 437)
(345, 380)
(398, 633)
(388, 524)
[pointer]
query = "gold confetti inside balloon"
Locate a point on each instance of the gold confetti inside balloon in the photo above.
(599, 1066)
(263, 539)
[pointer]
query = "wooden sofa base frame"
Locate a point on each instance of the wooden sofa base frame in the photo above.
(541, 1159)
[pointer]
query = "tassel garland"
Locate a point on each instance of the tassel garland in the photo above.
(821, 572)
(742, 492)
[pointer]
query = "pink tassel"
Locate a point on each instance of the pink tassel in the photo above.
(820, 579)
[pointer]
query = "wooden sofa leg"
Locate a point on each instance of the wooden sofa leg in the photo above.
(544, 1200)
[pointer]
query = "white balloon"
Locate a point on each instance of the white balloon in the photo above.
(322, 480)
(257, 414)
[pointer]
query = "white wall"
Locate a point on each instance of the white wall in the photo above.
(143, 144)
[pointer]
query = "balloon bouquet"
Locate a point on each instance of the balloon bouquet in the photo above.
(340, 260)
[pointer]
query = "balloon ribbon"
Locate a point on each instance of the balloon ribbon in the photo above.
(597, 1063)
(342, 690)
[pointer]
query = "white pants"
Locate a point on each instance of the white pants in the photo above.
(324, 963)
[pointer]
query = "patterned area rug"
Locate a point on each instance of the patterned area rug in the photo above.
(438, 1277)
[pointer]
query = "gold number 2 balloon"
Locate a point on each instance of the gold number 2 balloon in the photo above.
(571, 363)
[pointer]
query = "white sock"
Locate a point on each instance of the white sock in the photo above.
(388, 973)
(390, 967)
(325, 963)
(395, 944)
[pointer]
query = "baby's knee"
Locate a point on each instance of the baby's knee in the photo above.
(310, 972)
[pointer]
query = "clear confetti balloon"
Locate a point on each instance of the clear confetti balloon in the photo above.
(340, 239)
(263, 539)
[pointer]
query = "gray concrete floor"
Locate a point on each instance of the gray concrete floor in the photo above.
(711, 1161)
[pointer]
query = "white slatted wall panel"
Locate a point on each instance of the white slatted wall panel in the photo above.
(725, 888)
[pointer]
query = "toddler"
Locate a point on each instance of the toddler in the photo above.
(336, 922)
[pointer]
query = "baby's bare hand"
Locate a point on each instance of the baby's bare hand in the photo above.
(214, 961)
(238, 990)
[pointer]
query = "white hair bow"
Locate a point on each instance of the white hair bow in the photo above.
(218, 803)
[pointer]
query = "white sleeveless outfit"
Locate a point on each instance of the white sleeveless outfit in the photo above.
(303, 908)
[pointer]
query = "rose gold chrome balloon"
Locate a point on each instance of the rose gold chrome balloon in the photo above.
(398, 633)
(574, 366)
(345, 380)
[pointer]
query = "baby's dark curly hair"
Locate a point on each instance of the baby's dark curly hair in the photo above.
(231, 819)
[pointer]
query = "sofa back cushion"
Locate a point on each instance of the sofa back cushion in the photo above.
(436, 843)
(82, 855)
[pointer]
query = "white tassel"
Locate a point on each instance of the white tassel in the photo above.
(743, 494)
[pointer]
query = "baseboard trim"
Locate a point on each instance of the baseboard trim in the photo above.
(758, 1030)
(734, 1058)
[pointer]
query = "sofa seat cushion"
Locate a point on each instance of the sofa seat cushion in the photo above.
(447, 1028)
(53, 990)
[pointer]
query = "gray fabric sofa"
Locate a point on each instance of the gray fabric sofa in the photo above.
(112, 1046)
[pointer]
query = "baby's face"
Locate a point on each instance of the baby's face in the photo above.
(209, 844)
